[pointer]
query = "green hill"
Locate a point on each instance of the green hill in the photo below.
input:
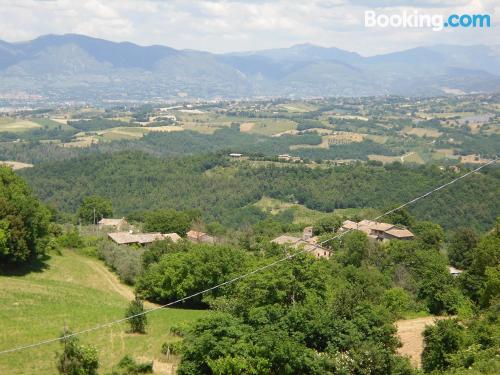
(80, 292)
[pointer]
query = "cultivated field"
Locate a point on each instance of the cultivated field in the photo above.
(268, 126)
(15, 165)
(17, 125)
(422, 132)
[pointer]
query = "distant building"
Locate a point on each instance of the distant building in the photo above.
(308, 243)
(308, 233)
(200, 237)
(454, 271)
(174, 237)
(128, 238)
(118, 224)
(235, 155)
(378, 231)
(287, 157)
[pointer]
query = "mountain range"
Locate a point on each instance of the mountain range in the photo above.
(77, 67)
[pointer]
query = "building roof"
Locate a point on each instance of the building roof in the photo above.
(286, 240)
(172, 236)
(371, 228)
(348, 224)
(454, 271)
(375, 225)
(123, 238)
(111, 222)
(196, 234)
(399, 233)
(298, 243)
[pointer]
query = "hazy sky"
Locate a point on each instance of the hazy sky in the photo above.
(221, 26)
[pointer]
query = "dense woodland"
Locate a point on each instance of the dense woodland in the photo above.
(223, 191)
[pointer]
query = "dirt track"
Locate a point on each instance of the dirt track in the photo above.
(410, 332)
(114, 282)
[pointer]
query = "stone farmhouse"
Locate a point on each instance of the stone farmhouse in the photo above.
(378, 231)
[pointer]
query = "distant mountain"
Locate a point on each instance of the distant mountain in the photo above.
(77, 67)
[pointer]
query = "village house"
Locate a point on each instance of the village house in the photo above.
(200, 237)
(118, 224)
(287, 157)
(129, 238)
(378, 231)
(455, 272)
(308, 243)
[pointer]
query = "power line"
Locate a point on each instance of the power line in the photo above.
(231, 281)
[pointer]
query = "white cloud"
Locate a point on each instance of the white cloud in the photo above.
(230, 25)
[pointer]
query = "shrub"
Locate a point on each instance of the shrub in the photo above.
(71, 239)
(127, 366)
(138, 319)
(77, 359)
(124, 260)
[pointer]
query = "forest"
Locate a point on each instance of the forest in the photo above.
(224, 190)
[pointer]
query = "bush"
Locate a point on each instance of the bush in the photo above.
(127, 366)
(398, 301)
(172, 348)
(138, 319)
(77, 359)
(440, 340)
(124, 260)
(71, 239)
(167, 221)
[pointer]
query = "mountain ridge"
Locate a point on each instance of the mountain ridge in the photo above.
(74, 66)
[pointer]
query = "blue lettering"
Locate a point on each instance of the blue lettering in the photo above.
(451, 21)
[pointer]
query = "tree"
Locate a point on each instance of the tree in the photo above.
(492, 285)
(429, 233)
(77, 359)
(168, 221)
(462, 244)
(355, 246)
(327, 224)
(137, 318)
(401, 217)
(178, 274)
(440, 340)
(94, 208)
(24, 222)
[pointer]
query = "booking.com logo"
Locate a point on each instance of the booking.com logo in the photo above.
(435, 21)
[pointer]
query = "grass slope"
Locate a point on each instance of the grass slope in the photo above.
(80, 292)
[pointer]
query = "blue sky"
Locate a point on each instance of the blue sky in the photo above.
(237, 25)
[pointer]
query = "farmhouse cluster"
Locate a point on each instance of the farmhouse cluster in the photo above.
(378, 231)
(125, 234)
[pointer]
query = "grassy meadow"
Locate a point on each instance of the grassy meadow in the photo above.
(79, 292)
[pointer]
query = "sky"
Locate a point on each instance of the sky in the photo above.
(243, 25)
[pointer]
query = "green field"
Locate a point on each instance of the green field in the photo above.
(301, 214)
(80, 292)
(50, 124)
(270, 126)
(17, 125)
